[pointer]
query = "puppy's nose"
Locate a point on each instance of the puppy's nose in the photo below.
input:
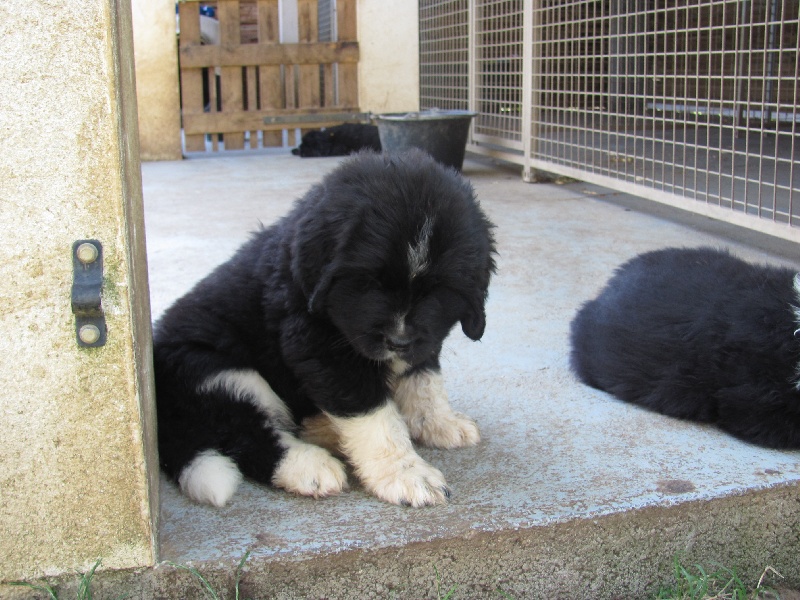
(398, 343)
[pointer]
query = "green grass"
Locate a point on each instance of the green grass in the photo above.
(694, 582)
(698, 583)
(39, 588)
(207, 588)
(84, 585)
(449, 594)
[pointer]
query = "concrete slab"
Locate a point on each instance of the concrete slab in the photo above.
(570, 494)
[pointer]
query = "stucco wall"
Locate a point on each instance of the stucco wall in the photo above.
(388, 70)
(74, 453)
(156, 52)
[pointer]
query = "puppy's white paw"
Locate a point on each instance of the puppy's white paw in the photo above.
(445, 430)
(379, 447)
(412, 482)
(426, 409)
(310, 471)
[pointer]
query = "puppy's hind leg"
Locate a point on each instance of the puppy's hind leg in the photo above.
(379, 447)
(298, 467)
(424, 404)
(308, 470)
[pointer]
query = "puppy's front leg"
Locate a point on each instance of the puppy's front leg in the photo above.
(426, 409)
(379, 447)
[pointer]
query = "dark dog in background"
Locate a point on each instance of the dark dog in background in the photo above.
(339, 140)
(339, 312)
(698, 334)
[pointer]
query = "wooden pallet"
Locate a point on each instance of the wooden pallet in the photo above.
(228, 88)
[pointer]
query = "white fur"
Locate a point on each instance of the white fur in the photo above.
(400, 324)
(419, 253)
(308, 470)
(796, 309)
(210, 478)
(248, 386)
(379, 447)
(424, 404)
(398, 366)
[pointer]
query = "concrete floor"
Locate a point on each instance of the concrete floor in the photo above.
(571, 494)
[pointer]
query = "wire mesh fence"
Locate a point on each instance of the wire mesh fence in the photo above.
(692, 102)
(444, 54)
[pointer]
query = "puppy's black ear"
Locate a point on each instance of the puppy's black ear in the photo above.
(474, 323)
(312, 250)
(318, 238)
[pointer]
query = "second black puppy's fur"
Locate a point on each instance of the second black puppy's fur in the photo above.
(338, 310)
(339, 140)
(698, 334)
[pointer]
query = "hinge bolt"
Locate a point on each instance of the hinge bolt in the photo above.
(87, 253)
(89, 334)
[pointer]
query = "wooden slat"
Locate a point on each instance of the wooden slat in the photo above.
(269, 76)
(191, 78)
(270, 54)
(348, 72)
(246, 120)
(250, 73)
(346, 20)
(213, 103)
(290, 86)
(308, 85)
(329, 96)
(249, 22)
(230, 76)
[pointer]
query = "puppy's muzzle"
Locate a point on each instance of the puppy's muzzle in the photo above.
(399, 343)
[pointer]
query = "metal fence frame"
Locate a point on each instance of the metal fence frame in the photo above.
(689, 103)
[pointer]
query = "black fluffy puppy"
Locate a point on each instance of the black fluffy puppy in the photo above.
(339, 140)
(339, 310)
(698, 334)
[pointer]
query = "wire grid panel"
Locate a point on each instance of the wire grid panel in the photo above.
(697, 99)
(444, 54)
(498, 70)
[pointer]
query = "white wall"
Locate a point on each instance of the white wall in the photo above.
(157, 89)
(388, 71)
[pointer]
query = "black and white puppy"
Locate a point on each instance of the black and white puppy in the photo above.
(338, 310)
(698, 334)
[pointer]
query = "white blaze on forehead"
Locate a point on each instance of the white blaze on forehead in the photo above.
(419, 252)
(796, 309)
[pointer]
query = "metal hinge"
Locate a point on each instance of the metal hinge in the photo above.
(87, 285)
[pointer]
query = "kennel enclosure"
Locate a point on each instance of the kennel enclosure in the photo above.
(694, 104)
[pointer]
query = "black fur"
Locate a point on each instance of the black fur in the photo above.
(698, 334)
(339, 140)
(308, 302)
